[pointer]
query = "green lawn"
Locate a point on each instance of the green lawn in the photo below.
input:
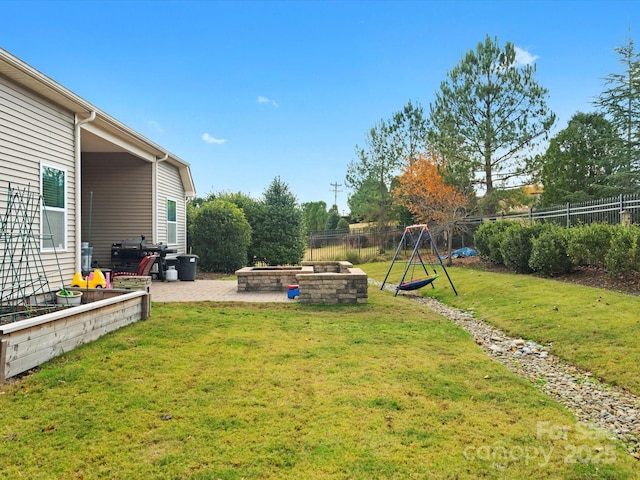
(258, 391)
(594, 329)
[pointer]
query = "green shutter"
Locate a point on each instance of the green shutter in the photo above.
(171, 211)
(53, 187)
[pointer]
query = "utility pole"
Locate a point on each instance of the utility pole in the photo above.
(335, 192)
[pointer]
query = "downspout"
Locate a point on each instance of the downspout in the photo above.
(154, 197)
(78, 159)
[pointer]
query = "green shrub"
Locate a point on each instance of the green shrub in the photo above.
(343, 224)
(621, 255)
(333, 218)
(481, 239)
(516, 246)
(549, 251)
(588, 244)
(635, 229)
(353, 257)
(220, 236)
(487, 240)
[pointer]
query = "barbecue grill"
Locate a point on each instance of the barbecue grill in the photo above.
(127, 254)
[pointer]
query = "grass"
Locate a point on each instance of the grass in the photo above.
(594, 329)
(267, 391)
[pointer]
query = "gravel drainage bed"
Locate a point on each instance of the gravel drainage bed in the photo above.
(594, 403)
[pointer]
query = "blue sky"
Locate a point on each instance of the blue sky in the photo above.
(246, 91)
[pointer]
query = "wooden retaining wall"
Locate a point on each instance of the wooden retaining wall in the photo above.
(25, 344)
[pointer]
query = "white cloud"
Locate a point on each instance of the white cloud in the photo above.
(156, 126)
(262, 100)
(523, 57)
(209, 139)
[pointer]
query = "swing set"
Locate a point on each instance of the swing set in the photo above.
(415, 239)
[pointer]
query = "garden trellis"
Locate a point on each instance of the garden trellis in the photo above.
(24, 287)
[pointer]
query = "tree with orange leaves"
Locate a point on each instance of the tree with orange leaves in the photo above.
(422, 189)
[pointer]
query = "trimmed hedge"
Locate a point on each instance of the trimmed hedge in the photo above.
(549, 251)
(487, 240)
(515, 246)
(588, 244)
(220, 236)
(623, 251)
(553, 250)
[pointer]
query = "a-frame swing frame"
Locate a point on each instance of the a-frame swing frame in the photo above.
(415, 258)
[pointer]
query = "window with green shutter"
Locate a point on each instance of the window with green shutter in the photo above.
(172, 224)
(54, 209)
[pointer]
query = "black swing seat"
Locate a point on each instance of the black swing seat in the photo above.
(416, 284)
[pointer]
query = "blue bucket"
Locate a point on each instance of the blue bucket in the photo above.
(294, 291)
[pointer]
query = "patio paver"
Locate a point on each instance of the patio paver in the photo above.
(210, 290)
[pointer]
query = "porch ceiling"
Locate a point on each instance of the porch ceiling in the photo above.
(93, 143)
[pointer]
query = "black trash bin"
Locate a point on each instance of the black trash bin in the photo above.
(187, 267)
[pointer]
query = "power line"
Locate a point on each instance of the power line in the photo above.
(335, 191)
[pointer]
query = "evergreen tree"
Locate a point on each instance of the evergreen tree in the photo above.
(368, 199)
(409, 127)
(314, 216)
(371, 174)
(332, 219)
(620, 103)
(277, 238)
(489, 114)
(390, 145)
(253, 212)
(577, 164)
(343, 224)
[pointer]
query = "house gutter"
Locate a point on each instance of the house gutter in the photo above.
(78, 160)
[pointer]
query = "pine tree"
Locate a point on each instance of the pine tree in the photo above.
(489, 114)
(620, 103)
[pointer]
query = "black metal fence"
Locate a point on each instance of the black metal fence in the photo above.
(363, 244)
(614, 210)
(356, 244)
(360, 245)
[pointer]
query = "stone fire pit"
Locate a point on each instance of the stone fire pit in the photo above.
(269, 279)
(319, 282)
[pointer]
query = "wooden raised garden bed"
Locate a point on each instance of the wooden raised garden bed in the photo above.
(25, 344)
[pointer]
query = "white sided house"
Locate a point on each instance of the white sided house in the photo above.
(99, 181)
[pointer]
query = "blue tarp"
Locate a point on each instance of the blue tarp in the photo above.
(462, 253)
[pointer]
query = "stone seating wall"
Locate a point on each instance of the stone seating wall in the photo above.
(319, 282)
(269, 279)
(333, 282)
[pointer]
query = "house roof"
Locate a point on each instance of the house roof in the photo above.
(104, 133)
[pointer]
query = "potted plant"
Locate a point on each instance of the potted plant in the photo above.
(68, 297)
